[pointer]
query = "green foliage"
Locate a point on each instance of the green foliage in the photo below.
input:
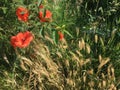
(88, 57)
(98, 19)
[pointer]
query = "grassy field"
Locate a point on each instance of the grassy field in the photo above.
(59, 45)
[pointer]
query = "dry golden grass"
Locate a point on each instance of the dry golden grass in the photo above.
(43, 73)
(72, 72)
(62, 69)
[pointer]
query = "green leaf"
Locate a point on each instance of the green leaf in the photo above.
(39, 2)
(4, 10)
(68, 33)
(101, 9)
(55, 36)
(18, 1)
(42, 32)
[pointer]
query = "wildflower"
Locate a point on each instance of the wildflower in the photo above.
(45, 18)
(61, 35)
(41, 6)
(22, 14)
(21, 40)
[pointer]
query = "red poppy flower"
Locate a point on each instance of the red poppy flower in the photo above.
(41, 6)
(61, 35)
(21, 40)
(22, 14)
(45, 18)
